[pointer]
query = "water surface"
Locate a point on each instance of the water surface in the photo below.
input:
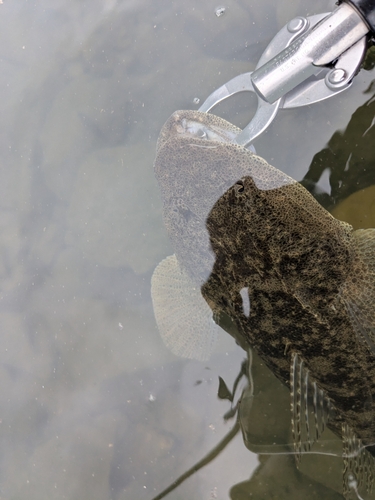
(92, 403)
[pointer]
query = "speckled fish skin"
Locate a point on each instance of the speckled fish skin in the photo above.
(236, 222)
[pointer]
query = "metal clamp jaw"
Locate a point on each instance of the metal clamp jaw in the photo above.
(320, 57)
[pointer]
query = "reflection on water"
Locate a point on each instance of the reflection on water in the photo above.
(348, 158)
(92, 404)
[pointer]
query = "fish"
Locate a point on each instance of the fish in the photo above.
(253, 244)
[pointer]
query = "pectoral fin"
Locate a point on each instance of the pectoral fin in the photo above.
(183, 317)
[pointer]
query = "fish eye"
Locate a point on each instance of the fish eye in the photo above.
(196, 129)
(239, 187)
(202, 134)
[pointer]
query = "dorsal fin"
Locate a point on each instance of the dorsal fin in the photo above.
(358, 471)
(310, 408)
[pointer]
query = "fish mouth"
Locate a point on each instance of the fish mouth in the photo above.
(198, 125)
(169, 129)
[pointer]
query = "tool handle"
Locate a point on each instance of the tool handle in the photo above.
(366, 9)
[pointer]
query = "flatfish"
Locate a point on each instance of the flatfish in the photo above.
(257, 247)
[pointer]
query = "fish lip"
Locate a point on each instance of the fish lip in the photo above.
(168, 130)
(175, 124)
(181, 126)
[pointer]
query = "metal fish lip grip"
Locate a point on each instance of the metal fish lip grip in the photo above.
(320, 55)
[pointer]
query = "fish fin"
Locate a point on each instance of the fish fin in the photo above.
(311, 410)
(183, 316)
(359, 464)
(358, 295)
(310, 407)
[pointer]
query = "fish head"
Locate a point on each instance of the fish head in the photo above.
(197, 162)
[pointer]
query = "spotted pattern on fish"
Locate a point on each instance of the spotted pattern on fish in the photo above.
(237, 223)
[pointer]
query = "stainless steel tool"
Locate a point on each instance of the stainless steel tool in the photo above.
(309, 60)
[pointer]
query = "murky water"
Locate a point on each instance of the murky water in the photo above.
(92, 404)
